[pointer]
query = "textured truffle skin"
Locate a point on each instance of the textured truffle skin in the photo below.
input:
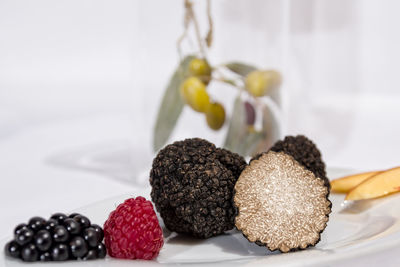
(192, 185)
(304, 151)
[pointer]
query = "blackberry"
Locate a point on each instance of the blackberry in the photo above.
(60, 252)
(50, 224)
(24, 236)
(60, 234)
(101, 251)
(12, 249)
(99, 230)
(72, 226)
(43, 240)
(36, 223)
(91, 236)
(82, 220)
(91, 255)
(59, 238)
(78, 246)
(59, 217)
(19, 228)
(72, 215)
(29, 253)
(46, 256)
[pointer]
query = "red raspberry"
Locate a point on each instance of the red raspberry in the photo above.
(132, 231)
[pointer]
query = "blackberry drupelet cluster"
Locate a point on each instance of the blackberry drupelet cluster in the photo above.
(192, 186)
(304, 151)
(59, 238)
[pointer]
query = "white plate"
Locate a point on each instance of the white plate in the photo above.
(354, 230)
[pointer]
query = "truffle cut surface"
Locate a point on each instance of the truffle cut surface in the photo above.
(281, 204)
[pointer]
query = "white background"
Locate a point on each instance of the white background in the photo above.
(107, 62)
(66, 59)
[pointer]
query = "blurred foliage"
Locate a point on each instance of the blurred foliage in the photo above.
(189, 84)
(171, 105)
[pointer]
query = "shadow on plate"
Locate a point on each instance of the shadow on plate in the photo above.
(236, 243)
(118, 160)
(232, 242)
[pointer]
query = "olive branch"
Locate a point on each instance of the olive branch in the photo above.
(246, 135)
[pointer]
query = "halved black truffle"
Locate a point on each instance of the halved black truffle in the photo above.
(192, 187)
(304, 151)
(281, 204)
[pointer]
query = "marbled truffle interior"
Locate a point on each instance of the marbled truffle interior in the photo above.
(281, 204)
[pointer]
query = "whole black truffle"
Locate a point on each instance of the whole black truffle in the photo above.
(192, 186)
(304, 151)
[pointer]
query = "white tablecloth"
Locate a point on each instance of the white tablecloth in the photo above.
(60, 166)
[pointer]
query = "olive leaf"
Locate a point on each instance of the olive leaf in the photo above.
(270, 128)
(237, 126)
(171, 106)
(240, 68)
(239, 139)
(274, 94)
(270, 122)
(251, 142)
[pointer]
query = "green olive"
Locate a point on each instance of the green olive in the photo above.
(215, 116)
(259, 83)
(200, 68)
(194, 93)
